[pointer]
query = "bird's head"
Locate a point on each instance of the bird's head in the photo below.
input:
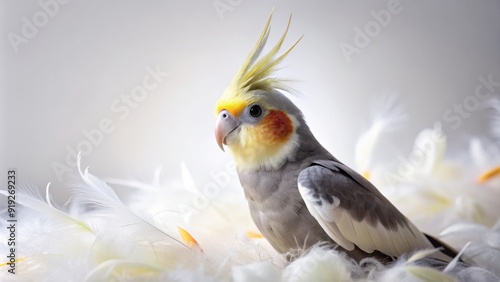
(254, 119)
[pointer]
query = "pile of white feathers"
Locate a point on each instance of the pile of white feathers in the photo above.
(178, 231)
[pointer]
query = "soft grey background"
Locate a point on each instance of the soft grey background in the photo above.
(65, 79)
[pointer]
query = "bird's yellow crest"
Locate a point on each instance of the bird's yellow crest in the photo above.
(255, 74)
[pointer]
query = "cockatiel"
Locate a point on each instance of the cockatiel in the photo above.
(297, 192)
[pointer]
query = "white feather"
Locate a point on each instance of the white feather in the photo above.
(388, 117)
(484, 247)
(126, 238)
(103, 201)
(259, 271)
(124, 270)
(320, 264)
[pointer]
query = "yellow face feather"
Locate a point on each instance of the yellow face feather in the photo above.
(267, 143)
(234, 105)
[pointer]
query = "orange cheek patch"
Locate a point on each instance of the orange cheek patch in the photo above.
(277, 127)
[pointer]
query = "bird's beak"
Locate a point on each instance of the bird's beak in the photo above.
(224, 125)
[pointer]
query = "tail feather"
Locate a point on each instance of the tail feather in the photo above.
(443, 247)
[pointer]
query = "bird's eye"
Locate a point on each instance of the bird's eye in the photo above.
(255, 111)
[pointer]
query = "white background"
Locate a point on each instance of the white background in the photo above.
(66, 77)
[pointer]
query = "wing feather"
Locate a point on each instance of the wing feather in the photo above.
(366, 242)
(327, 222)
(346, 226)
(333, 196)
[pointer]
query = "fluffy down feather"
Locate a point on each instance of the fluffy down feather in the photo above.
(111, 242)
(99, 236)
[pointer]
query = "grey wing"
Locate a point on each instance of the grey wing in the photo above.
(353, 212)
